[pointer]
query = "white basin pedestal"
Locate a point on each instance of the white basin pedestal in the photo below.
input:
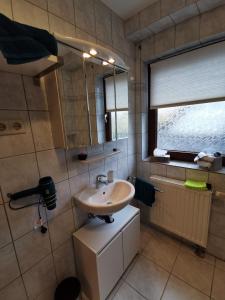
(107, 199)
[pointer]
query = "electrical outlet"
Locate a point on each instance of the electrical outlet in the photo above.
(12, 127)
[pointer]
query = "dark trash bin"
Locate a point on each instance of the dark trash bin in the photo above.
(68, 289)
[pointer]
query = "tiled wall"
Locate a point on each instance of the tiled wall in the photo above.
(31, 264)
(191, 32)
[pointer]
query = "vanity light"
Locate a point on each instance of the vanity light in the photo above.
(105, 63)
(86, 55)
(111, 60)
(93, 52)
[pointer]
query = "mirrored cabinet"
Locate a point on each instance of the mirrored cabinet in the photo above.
(88, 101)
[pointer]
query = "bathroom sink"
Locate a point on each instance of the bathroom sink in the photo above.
(107, 199)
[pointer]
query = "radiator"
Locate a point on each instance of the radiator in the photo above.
(180, 210)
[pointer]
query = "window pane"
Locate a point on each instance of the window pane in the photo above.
(122, 124)
(194, 128)
(121, 90)
(110, 94)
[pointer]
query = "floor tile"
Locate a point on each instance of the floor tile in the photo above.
(144, 236)
(191, 250)
(218, 290)
(220, 264)
(194, 271)
(115, 290)
(162, 250)
(147, 278)
(177, 289)
(126, 292)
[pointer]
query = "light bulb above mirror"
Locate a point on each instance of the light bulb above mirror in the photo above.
(86, 55)
(105, 63)
(93, 52)
(111, 60)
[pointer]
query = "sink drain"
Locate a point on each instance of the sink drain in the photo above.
(109, 202)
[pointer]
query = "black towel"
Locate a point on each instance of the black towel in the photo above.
(21, 43)
(144, 191)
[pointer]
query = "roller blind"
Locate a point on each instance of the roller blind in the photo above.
(196, 76)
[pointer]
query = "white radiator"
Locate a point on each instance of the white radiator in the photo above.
(180, 210)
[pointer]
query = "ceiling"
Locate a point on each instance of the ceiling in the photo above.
(127, 8)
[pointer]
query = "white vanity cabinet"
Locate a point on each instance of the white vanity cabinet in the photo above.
(104, 251)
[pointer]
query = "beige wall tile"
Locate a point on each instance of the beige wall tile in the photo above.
(31, 248)
(165, 41)
(147, 49)
(5, 236)
(35, 95)
(157, 169)
(14, 290)
(23, 221)
(52, 163)
(64, 201)
(16, 144)
(6, 8)
(217, 181)
(75, 167)
(80, 217)
(150, 14)
(84, 15)
(11, 98)
(217, 224)
(212, 23)
(175, 172)
(197, 175)
(216, 246)
(170, 6)
(18, 173)
(60, 26)
(64, 261)
(103, 23)
(187, 33)
(36, 17)
(118, 33)
(79, 182)
(162, 24)
(40, 278)
(9, 269)
(61, 228)
(132, 25)
(63, 9)
(218, 289)
(41, 128)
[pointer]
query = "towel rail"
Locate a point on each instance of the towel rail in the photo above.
(132, 180)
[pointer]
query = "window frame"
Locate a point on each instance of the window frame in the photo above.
(185, 156)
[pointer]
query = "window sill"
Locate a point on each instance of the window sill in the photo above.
(185, 164)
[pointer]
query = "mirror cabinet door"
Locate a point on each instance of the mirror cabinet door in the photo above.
(94, 100)
(74, 101)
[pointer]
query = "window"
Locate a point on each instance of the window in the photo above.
(187, 103)
(194, 128)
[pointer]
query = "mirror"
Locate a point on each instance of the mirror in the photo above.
(94, 100)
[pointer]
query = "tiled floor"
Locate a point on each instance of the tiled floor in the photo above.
(169, 270)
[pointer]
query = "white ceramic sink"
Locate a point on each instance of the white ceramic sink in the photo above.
(107, 199)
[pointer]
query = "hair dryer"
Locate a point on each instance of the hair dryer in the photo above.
(46, 189)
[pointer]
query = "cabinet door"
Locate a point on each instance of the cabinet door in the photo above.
(131, 240)
(110, 266)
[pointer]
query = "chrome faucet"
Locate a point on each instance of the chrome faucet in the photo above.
(101, 179)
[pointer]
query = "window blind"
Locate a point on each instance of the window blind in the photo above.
(196, 76)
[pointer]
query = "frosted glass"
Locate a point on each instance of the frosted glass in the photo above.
(198, 75)
(122, 124)
(199, 127)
